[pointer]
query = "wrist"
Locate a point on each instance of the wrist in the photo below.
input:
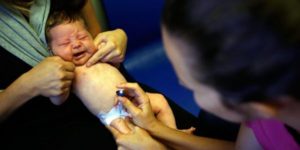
(157, 145)
(17, 93)
(29, 89)
(154, 127)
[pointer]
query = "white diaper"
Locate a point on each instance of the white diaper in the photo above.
(116, 112)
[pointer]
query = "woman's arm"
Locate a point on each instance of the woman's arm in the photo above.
(142, 115)
(51, 77)
(18, 93)
(136, 139)
(180, 140)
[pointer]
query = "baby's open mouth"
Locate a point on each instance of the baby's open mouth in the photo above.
(79, 55)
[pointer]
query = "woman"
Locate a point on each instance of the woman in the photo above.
(28, 119)
(241, 64)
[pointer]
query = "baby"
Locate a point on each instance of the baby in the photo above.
(96, 86)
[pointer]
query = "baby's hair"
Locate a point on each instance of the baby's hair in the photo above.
(64, 11)
(58, 18)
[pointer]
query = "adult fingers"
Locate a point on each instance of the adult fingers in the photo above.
(97, 56)
(117, 60)
(135, 91)
(100, 38)
(68, 76)
(121, 125)
(104, 49)
(129, 124)
(129, 106)
(60, 63)
(68, 66)
(114, 132)
(113, 55)
(65, 85)
(59, 91)
(107, 49)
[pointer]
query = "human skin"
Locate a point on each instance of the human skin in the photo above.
(96, 86)
(209, 99)
(51, 77)
(72, 42)
(285, 108)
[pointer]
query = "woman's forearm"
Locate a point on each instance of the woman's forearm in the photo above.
(15, 95)
(181, 140)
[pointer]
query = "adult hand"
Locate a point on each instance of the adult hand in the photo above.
(136, 139)
(111, 47)
(52, 78)
(58, 100)
(140, 107)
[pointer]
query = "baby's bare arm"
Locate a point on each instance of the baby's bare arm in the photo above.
(96, 86)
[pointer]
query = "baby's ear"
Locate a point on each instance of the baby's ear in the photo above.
(50, 51)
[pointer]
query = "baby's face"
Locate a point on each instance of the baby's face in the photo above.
(72, 42)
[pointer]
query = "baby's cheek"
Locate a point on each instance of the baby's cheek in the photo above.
(93, 49)
(63, 53)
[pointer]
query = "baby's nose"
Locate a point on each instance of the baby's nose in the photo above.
(76, 44)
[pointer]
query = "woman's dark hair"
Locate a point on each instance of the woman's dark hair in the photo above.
(241, 50)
